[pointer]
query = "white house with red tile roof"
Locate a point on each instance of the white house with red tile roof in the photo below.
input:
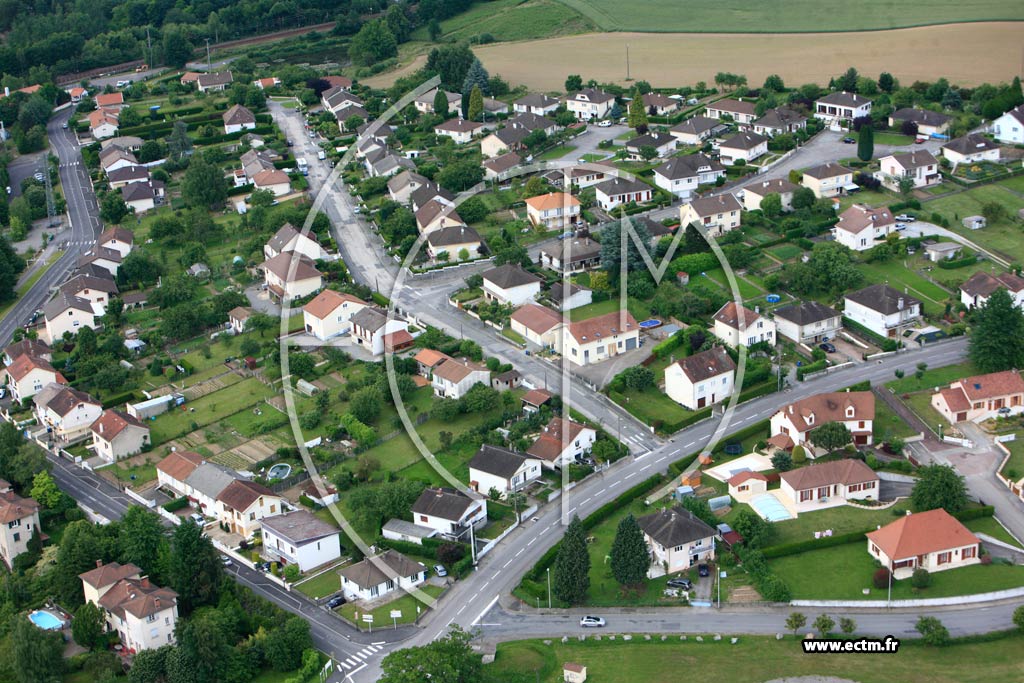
(600, 338)
(329, 312)
(932, 540)
(980, 397)
(854, 409)
(242, 505)
(828, 484)
(862, 227)
(562, 442)
(539, 325)
(27, 376)
(554, 210)
(173, 470)
(117, 435)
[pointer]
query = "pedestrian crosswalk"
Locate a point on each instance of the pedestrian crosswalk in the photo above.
(357, 659)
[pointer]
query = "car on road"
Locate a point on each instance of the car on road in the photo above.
(685, 584)
(604, 124)
(440, 570)
(906, 217)
(827, 347)
(849, 141)
(336, 602)
(900, 226)
(289, 143)
(591, 622)
(703, 570)
(3, 392)
(65, 126)
(122, 84)
(226, 561)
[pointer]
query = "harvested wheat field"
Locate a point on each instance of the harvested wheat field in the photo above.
(966, 54)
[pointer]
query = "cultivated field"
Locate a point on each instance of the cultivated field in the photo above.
(684, 58)
(745, 16)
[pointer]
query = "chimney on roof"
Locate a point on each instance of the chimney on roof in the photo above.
(144, 582)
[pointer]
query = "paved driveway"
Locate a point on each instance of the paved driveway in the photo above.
(891, 490)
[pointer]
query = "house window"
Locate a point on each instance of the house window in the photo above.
(968, 553)
(874, 549)
(17, 537)
(151, 618)
(823, 491)
(944, 558)
(805, 496)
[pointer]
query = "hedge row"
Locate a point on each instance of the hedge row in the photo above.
(874, 338)
(667, 346)
(592, 520)
(692, 418)
(749, 431)
(428, 548)
(118, 399)
(230, 137)
(909, 204)
(952, 264)
(816, 366)
(176, 504)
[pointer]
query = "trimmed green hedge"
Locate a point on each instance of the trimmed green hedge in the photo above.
(428, 548)
(667, 346)
(953, 264)
(816, 366)
(176, 504)
(118, 399)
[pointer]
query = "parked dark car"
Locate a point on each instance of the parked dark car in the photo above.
(336, 602)
(827, 347)
(850, 141)
(703, 570)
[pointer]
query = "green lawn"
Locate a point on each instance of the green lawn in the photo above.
(841, 520)
(751, 660)
(989, 525)
(1016, 183)
(555, 153)
(869, 197)
(849, 569)
(748, 290)
(892, 139)
(785, 252)
(651, 406)
(406, 604)
(1002, 237)
(933, 377)
(607, 306)
(512, 20)
(921, 404)
(888, 424)
(1014, 468)
(899, 277)
(321, 586)
(209, 409)
(137, 474)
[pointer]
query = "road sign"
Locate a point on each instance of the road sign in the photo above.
(368, 618)
(396, 614)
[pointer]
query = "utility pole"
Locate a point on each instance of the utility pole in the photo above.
(209, 64)
(149, 47)
(627, 63)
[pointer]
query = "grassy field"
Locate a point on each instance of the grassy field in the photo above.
(513, 20)
(208, 409)
(850, 567)
(1014, 468)
(884, 138)
(556, 153)
(887, 424)
(751, 660)
(325, 584)
(898, 276)
(381, 616)
(840, 520)
(989, 525)
(743, 16)
(935, 377)
(1003, 236)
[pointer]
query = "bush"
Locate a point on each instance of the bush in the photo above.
(176, 504)
(881, 578)
(920, 579)
(814, 544)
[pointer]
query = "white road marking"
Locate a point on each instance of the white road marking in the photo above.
(602, 491)
(506, 564)
(661, 458)
(460, 610)
(631, 474)
(345, 664)
(689, 444)
(517, 554)
(486, 610)
(351, 661)
(354, 671)
(645, 467)
(585, 501)
(531, 541)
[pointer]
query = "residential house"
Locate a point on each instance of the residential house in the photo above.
(427, 360)
(291, 275)
(829, 180)
(663, 145)
(746, 485)
(498, 469)
(66, 413)
(807, 322)
(104, 258)
(617, 191)
(929, 123)
(300, 538)
(980, 397)
(244, 504)
(885, 311)
(173, 470)
(238, 118)
(695, 130)
(451, 512)
(677, 539)
(114, 159)
(253, 162)
(683, 175)
(63, 314)
(1009, 128)
(538, 104)
(754, 193)
(657, 104)
(533, 399)
(493, 107)
(117, 238)
(328, 314)
(103, 123)
(507, 139)
(740, 111)
(582, 175)
(779, 121)
(27, 375)
(453, 378)
(979, 287)
(934, 541)
(113, 101)
(510, 285)
(459, 130)
(267, 83)
(840, 108)
(214, 82)
(599, 338)
(495, 168)
(562, 442)
(717, 214)
(861, 227)
(204, 484)
(532, 122)
(189, 77)
(828, 484)
(274, 181)
(458, 242)
(77, 94)
(425, 103)
(919, 165)
(117, 435)
(19, 520)
(127, 143)
(238, 317)
(403, 184)
(342, 104)
(568, 298)
(143, 197)
(589, 103)
(539, 325)
(370, 326)
(735, 324)
(742, 147)
(572, 256)
(142, 614)
(31, 347)
(384, 164)
(553, 211)
(574, 673)
(855, 410)
(375, 576)
(702, 379)
(437, 215)
(971, 149)
(289, 239)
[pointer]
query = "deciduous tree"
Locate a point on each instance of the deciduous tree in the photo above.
(939, 486)
(831, 436)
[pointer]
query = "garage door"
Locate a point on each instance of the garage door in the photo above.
(631, 343)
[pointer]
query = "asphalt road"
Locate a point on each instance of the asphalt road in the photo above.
(25, 167)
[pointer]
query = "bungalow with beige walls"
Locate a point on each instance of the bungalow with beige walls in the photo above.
(117, 435)
(456, 243)
(291, 276)
(920, 166)
(657, 104)
(741, 111)
(539, 325)
(829, 180)
(980, 397)
(327, 315)
(755, 193)
(742, 148)
(828, 484)
(932, 540)
(716, 214)
(970, 149)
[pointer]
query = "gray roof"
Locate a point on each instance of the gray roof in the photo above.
(400, 526)
(367, 574)
(82, 282)
(369, 319)
(558, 293)
(210, 478)
(136, 191)
(592, 95)
(744, 141)
(238, 114)
(500, 462)
(221, 78)
(806, 312)
(655, 139)
(510, 276)
(530, 121)
(430, 190)
(299, 527)
(780, 118)
(697, 125)
(536, 100)
(921, 116)
(883, 298)
(128, 174)
(61, 399)
(844, 99)
(64, 301)
(971, 144)
(443, 502)
(509, 136)
(674, 527)
(688, 166)
(617, 186)
(829, 170)
(454, 234)
(400, 181)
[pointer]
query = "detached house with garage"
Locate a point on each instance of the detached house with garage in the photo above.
(808, 322)
(701, 380)
(66, 413)
(539, 325)
(117, 435)
(372, 328)
(677, 540)
(683, 175)
(291, 276)
(510, 285)
(243, 504)
(979, 287)
(572, 256)
(882, 309)
(740, 111)
(589, 104)
(970, 149)
(457, 242)
(450, 512)
(932, 540)
(737, 325)
(300, 538)
(538, 104)
(562, 442)
(928, 123)
(755, 193)
(597, 339)
(828, 484)
(498, 469)
(980, 397)
(840, 108)
(918, 165)
(27, 376)
(779, 121)
(453, 378)
(617, 191)
(553, 211)
(829, 180)
(853, 409)
(695, 130)
(380, 575)
(663, 145)
(717, 215)
(742, 148)
(862, 227)
(329, 313)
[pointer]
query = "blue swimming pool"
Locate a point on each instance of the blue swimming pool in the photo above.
(46, 620)
(279, 471)
(769, 507)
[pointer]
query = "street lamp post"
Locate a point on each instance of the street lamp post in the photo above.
(888, 601)
(549, 587)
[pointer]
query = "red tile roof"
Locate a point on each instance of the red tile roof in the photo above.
(922, 533)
